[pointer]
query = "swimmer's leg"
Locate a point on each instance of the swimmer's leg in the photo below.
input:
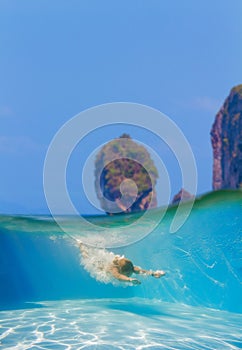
(83, 249)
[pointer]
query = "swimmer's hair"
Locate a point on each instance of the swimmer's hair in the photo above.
(126, 265)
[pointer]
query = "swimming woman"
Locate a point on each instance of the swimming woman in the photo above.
(121, 268)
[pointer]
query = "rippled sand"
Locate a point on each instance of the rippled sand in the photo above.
(119, 324)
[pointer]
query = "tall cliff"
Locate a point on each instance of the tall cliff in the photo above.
(226, 137)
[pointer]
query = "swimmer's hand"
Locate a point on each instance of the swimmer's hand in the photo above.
(134, 281)
(158, 273)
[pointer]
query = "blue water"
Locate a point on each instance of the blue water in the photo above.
(49, 301)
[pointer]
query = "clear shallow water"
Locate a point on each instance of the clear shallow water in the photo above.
(119, 324)
(197, 305)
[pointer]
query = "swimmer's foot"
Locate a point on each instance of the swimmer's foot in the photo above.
(83, 249)
(80, 243)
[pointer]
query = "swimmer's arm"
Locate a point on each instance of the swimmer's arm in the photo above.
(156, 274)
(116, 274)
(140, 271)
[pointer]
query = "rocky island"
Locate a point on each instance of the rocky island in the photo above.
(226, 137)
(182, 196)
(125, 177)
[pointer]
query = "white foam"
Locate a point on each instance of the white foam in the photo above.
(97, 263)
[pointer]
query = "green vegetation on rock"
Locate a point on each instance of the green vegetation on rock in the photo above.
(123, 162)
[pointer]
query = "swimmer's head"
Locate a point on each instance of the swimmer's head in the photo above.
(126, 266)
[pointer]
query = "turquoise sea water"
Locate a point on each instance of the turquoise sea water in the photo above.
(49, 301)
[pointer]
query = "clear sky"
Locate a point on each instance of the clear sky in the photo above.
(58, 58)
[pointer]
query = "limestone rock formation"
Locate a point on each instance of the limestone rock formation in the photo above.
(182, 196)
(226, 137)
(125, 177)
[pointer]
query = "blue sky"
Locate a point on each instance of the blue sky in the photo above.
(59, 58)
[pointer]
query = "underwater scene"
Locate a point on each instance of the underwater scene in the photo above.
(52, 298)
